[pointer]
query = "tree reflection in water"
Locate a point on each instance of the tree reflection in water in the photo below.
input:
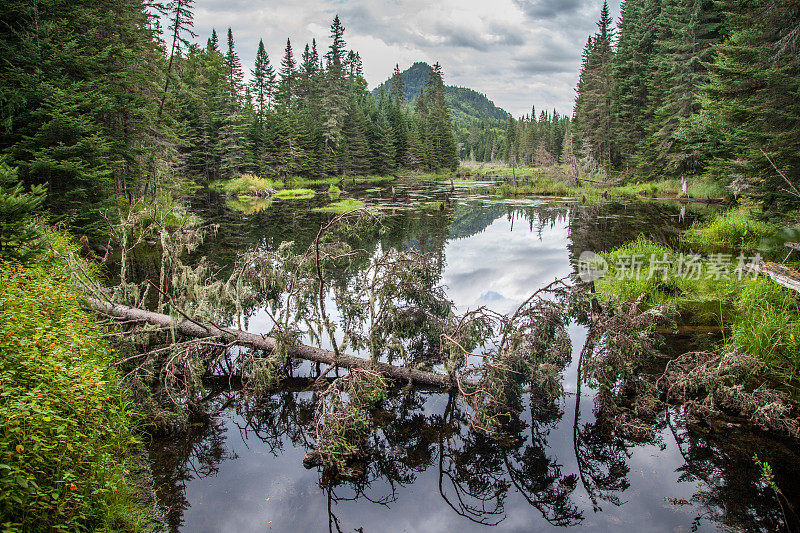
(479, 477)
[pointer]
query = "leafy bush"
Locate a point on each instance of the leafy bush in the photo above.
(65, 430)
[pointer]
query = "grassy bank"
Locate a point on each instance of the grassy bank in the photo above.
(66, 431)
(757, 316)
(555, 181)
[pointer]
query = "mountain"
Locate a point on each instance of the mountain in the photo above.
(465, 104)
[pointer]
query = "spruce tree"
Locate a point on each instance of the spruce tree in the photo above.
(398, 89)
(262, 85)
(755, 80)
(439, 128)
(285, 93)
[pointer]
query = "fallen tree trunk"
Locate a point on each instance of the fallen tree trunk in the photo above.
(196, 329)
(782, 275)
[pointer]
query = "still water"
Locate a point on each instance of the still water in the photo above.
(427, 471)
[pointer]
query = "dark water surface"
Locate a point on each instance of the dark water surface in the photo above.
(427, 470)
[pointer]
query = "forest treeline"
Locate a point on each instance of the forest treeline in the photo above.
(696, 88)
(98, 99)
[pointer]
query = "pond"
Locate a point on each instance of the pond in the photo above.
(426, 469)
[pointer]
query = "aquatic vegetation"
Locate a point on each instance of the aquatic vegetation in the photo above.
(342, 206)
(294, 194)
(767, 324)
(247, 184)
(536, 187)
(337, 180)
(713, 384)
(657, 275)
(738, 228)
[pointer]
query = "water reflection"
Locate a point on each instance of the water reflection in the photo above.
(559, 465)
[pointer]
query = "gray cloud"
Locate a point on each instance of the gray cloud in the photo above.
(545, 9)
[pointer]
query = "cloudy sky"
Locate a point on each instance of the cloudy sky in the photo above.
(519, 52)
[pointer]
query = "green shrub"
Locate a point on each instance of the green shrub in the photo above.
(334, 191)
(65, 431)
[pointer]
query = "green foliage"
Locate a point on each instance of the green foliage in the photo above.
(755, 79)
(342, 206)
(247, 184)
(738, 228)
(295, 194)
(767, 324)
(66, 431)
(663, 281)
(342, 417)
(81, 88)
(20, 235)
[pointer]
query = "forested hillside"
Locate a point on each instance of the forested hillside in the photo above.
(482, 128)
(464, 103)
(696, 88)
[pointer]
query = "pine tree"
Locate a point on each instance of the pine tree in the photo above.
(76, 118)
(632, 74)
(213, 42)
(19, 232)
(181, 22)
(234, 66)
(688, 29)
(335, 101)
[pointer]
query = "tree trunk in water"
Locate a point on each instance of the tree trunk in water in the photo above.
(196, 329)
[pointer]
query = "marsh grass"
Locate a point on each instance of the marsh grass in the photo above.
(739, 228)
(663, 284)
(248, 184)
(768, 324)
(342, 206)
(294, 194)
(297, 181)
(757, 316)
(537, 187)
